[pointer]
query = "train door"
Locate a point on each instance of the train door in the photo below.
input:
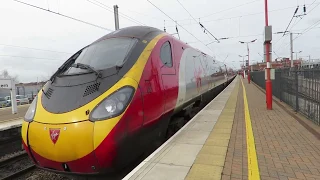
(153, 99)
(169, 78)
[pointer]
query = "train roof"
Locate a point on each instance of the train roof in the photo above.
(132, 31)
(141, 32)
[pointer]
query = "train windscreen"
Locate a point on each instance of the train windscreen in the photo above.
(104, 54)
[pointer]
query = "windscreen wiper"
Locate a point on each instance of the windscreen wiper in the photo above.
(65, 65)
(85, 66)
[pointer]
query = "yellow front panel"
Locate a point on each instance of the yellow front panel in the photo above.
(75, 140)
(24, 131)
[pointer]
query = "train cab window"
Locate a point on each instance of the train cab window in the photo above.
(104, 54)
(166, 54)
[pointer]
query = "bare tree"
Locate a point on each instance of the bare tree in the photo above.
(5, 74)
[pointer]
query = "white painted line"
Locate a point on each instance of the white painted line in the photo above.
(169, 140)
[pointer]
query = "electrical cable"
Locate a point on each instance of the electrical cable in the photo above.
(296, 24)
(102, 5)
(30, 57)
(179, 24)
(196, 20)
(63, 15)
(240, 16)
(229, 9)
(34, 48)
(295, 12)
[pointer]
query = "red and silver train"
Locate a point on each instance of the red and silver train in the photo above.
(111, 99)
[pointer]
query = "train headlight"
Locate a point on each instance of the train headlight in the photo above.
(31, 111)
(113, 105)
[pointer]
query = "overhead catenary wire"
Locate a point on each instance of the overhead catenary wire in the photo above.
(229, 8)
(66, 16)
(262, 12)
(4, 55)
(196, 20)
(34, 48)
(295, 12)
(233, 17)
(102, 5)
(316, 5)
(308, 13)
(179, 24)
(313, 26)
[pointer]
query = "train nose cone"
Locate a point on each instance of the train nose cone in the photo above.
(63, 147)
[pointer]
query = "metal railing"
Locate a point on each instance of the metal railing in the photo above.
(299, 88)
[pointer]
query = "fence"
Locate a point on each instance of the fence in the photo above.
(299, 88)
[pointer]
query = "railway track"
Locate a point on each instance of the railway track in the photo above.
(10, 144)
(15, 166)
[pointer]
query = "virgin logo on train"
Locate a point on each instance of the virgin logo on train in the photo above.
(54, 135)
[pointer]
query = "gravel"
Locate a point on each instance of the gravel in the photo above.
(8, 156)
(39, 174)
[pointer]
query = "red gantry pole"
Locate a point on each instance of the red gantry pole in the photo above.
(248, 65)
(268, 81)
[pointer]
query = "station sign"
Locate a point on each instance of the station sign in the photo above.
(5, 84)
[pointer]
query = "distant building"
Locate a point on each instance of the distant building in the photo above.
(277, 64)
(24, 89)
(29, 88)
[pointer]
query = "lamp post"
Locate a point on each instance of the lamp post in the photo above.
(243, 71)
(297, 54)
(248, 57)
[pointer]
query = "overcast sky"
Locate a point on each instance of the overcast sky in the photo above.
(25, 26)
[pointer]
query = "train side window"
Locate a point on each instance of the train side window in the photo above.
(166, 54)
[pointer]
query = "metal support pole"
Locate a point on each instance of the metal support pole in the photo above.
(244, 69)
(291, 49)
(309, 61)
(116, 17)
(248, 65)
(297, 90)
(268, 81)
(13, 97)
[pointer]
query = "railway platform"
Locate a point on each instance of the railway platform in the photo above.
(10, 123)
(235, 137)
(9, 120)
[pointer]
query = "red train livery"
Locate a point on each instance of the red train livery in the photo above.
(113, 98)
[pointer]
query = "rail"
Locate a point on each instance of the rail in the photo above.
(16, 166)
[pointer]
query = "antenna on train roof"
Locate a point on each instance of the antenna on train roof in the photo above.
(164, 26)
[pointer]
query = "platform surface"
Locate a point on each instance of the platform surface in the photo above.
(199, 148)
(6, 113)
(232, 130)
(285, 149)
(11, 123)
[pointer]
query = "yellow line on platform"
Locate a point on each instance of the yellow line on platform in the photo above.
(253, 168)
